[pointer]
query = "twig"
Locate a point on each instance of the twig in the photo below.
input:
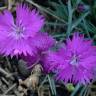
(6, 73)
(1, 89)
(6, 95)
(17, 93)
(5, 81)
(14, 85)
(8, 62)
(11, 74)
(2, 8)
(10, 3)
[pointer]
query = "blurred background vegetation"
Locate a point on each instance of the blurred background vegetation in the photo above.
(63, 17)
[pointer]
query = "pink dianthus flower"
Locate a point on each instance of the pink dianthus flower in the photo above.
(22, 35)
(74, 62)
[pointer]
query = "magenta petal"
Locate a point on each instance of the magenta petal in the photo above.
(43, 41)
(31, 59)
(12, 47)
(31, 20)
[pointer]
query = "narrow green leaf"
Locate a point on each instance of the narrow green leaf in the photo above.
(83, 90)
(52, 85)
(86, 28)
(70, 11)
(78, 1)
(91, 27)
(45, 79)
(45, 10)
(75, 3)
(76, 90)
(60, 10)
(78, 21)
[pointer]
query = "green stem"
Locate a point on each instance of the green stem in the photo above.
(69, 19)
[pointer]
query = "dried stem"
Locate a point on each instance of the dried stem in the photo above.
(13, 86)
(6, 73)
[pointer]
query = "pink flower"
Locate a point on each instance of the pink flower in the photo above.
(19, 36)
(74, 62)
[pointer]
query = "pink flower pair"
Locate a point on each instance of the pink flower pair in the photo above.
(74, 62)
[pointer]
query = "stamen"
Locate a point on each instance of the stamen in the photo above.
(17, 31)
(74, 60)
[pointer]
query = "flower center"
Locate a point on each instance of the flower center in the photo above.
(17, 31)
(74, 60)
